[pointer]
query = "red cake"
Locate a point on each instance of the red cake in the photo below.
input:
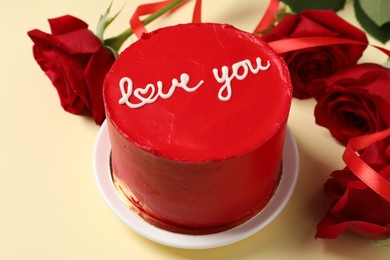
(197, 116)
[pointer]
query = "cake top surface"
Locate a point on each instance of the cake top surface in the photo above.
(198, 92)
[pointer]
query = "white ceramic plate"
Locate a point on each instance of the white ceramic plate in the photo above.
(283, 193)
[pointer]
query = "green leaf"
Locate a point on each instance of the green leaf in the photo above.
(299, 5)
(377, 10)
(381, 33)
(105, 21)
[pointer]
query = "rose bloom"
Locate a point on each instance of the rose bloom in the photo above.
(355, 102)
(76, 62)
(355, 206)
(309, 64)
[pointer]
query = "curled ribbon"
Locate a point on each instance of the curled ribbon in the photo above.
(269, 16)
(137, 25)
(364, 172)
(135, 22)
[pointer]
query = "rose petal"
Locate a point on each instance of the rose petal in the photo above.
(79, 42)
(308, 26)
(42, 39)
(344, 30)
(375, 154)
(95, 72)
(329, 228)
(53, 67)
(284, 28)
(66, 24)
(337, 220)
(331, 20)
(362, 204)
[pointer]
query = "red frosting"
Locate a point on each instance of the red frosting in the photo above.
(193, 162)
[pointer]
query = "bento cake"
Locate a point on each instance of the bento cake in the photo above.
(197, 115)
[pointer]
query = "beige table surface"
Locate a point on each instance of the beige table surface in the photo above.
(50, 205)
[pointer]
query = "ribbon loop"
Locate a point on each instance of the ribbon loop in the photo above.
(364, 172)
(135, 22)
(159, 8)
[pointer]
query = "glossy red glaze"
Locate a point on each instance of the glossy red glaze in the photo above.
(192, 163)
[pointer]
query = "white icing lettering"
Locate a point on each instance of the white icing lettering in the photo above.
(225, 92)
(151, 93)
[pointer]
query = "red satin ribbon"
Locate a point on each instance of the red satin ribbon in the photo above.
(364, 172)
(197, 15)
(138, 27)
(269, 16)
(293, 44)
(135, 22)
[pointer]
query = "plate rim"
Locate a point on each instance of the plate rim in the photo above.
(102, 174)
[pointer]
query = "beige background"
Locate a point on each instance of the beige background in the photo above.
(50, 204)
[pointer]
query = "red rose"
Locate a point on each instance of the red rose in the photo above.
(76, 62)
(355, 102)
(356, 207)
(308, 65)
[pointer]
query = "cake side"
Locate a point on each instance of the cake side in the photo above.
(196, 198)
